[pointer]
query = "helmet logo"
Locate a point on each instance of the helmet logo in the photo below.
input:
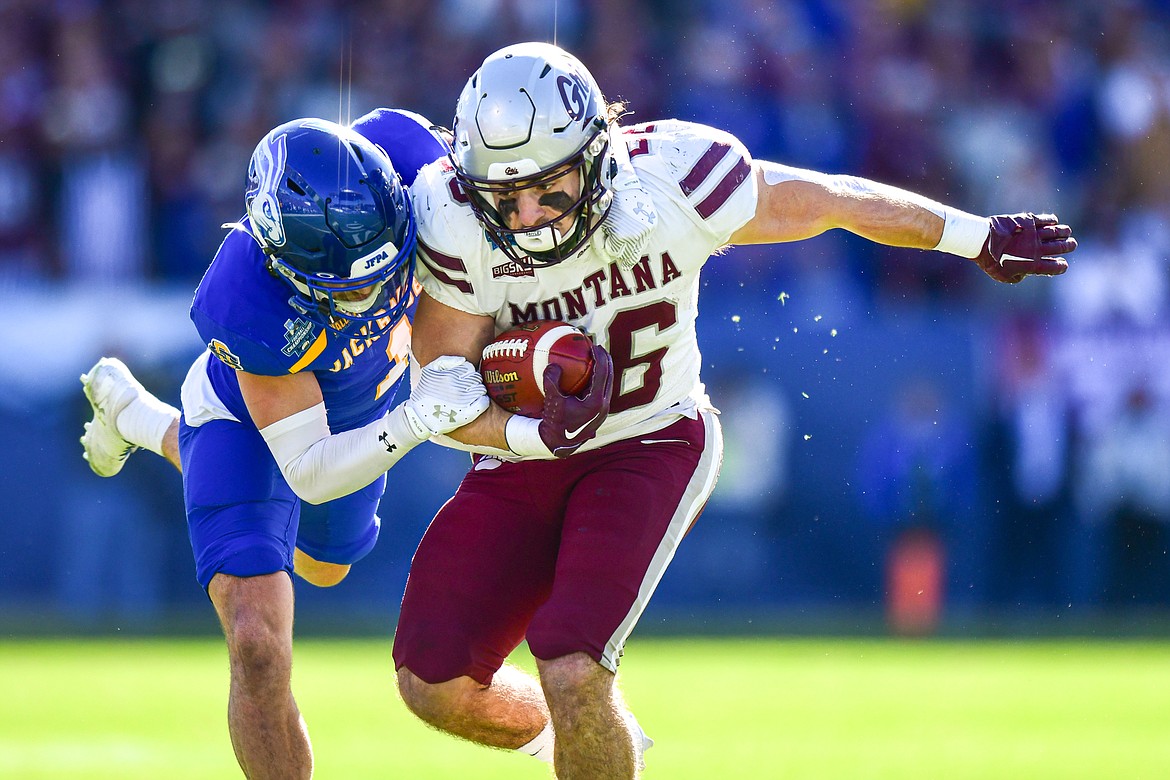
(572, 95)
(511, 170)
(373, 261)
(376, 259)
(264, 206)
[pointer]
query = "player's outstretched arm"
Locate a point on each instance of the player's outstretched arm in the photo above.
(320, 465)
(795, 204)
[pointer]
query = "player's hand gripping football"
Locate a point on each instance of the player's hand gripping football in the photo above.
(568, 421)
(1025, 244)
(448, 395)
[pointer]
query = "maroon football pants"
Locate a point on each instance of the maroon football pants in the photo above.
(565, 553)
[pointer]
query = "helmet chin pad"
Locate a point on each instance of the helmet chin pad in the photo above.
(359, 306)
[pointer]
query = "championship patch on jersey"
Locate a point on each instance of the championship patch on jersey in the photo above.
(298, 335)
(221, 351)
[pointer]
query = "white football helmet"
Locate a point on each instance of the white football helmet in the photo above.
(529, 116)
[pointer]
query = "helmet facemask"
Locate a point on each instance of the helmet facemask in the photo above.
(545, 243)
(378, 299)
(533, 116)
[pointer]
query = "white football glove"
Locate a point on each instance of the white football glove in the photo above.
(632, 217)
(449, 394)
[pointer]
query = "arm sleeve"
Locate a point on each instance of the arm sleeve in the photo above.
(475, 449)
(320, 466)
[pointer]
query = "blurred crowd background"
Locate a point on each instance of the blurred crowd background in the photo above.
(910, 446)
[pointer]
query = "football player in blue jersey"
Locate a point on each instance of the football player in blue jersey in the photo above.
(287, 425)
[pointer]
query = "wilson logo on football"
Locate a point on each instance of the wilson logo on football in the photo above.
(492, 375)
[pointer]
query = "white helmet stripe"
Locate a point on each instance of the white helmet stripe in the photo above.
(265, 212)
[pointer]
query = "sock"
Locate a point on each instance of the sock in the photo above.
(144, 422)
(541, 746)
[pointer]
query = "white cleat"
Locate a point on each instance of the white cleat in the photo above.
(110, 388)
(647, 743)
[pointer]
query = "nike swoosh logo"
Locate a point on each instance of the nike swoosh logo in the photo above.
(487, 463)
(665, 441)
(570, 435)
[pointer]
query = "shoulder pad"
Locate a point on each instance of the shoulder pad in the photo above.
(707, 164)
(409, 139)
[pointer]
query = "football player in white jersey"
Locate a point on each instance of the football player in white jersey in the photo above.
(559, 533)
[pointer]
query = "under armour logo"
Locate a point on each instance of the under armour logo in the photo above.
(441, 412)
(645, 213)
(385, 439)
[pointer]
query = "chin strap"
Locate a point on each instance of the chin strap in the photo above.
(632, 216)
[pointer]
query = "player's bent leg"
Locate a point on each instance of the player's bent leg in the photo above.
(268, 734)
(509, 713)
(333, 536)
(453, 633)
(170, 445)
(320, 573)
(607, 572)
(594, 736)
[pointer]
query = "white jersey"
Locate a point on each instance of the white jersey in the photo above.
(701, 181)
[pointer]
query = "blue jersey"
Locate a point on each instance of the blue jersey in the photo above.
(242, 310)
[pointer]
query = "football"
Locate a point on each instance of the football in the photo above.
(513, 365)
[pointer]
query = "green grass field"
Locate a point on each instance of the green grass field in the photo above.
(758, 708)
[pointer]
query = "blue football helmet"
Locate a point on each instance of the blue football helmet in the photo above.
(331, 214)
